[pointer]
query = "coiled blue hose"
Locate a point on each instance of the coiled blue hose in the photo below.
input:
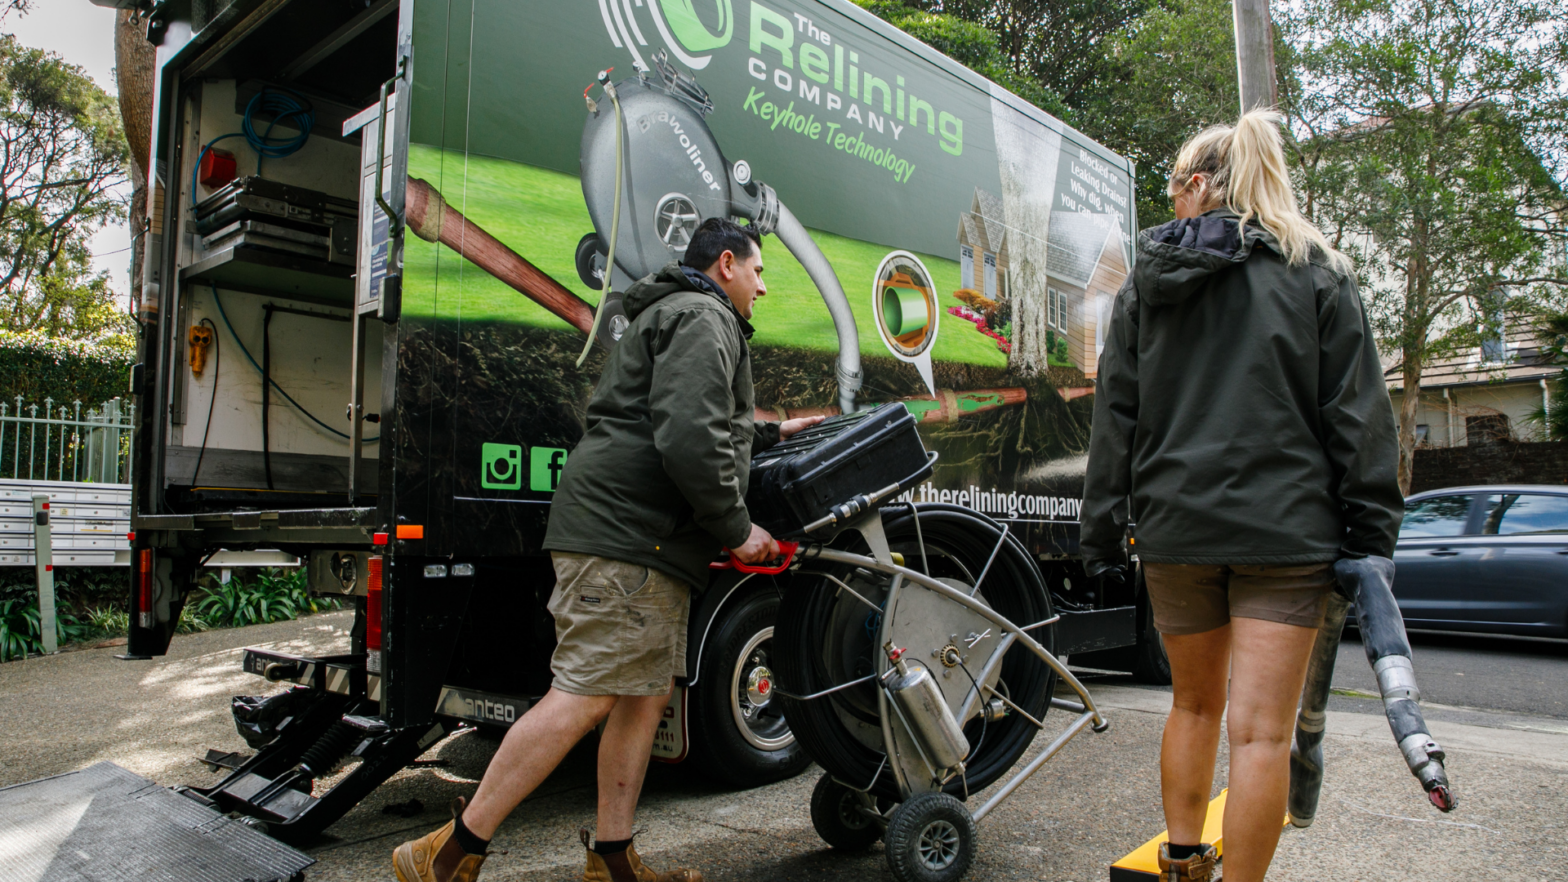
(282, 104)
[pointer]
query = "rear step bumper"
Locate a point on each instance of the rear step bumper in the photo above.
(334, 723)
(338, 674)
(346, 675)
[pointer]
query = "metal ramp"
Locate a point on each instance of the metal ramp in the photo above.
(104, 824)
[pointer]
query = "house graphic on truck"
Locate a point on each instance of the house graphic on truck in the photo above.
(1085, 266)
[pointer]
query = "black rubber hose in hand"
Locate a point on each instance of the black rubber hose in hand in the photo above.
(1369, 582)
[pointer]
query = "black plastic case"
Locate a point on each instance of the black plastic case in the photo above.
(799, 480)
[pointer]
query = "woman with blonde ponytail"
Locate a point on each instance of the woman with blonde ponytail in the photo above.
(1243, 433)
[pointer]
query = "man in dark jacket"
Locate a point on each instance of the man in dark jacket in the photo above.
(654, 489)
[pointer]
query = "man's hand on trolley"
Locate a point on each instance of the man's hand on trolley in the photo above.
(759, 547)
(790, 427)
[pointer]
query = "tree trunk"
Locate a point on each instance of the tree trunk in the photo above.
(135, 62)
(1027, 159)
(1408, 408)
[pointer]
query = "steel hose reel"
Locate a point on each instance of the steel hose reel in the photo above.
(928, 691)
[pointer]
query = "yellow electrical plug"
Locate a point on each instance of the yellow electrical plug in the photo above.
(200, 338)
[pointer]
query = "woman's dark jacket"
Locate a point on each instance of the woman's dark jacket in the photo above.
(659, 477)
(1241, 405)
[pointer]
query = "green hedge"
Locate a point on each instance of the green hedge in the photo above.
(84, 587)
(38, 367)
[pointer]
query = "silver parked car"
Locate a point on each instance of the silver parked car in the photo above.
(1491, 559)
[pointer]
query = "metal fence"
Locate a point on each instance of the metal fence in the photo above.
(64, 444)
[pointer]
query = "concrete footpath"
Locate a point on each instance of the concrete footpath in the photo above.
(1096, 801)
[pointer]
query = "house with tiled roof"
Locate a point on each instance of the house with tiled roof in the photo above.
(1484, 394)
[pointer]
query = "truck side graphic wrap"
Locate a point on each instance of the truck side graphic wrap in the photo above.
(931, 239)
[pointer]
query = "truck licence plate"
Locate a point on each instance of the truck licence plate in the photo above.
(670, 742)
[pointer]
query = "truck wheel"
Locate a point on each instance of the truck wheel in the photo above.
(739, 734)
(1150, 664)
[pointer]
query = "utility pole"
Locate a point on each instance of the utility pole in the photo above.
(1255, 54)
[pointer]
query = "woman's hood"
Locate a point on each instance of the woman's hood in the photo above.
(1177, 258)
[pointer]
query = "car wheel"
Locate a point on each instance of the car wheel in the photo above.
(739, 734)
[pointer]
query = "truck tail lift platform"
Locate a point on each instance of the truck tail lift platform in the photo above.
(106, 823)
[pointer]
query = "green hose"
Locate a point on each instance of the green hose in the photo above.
(615, 225)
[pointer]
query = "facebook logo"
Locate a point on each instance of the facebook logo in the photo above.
(545, 465)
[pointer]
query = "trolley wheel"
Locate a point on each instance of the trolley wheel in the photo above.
(836, 815)
(930, 838)
(589, 259)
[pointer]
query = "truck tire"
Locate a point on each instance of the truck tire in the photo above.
(1150, 664)
(739, 734)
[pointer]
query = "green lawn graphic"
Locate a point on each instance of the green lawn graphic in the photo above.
(540, 214)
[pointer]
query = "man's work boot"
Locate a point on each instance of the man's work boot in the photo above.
(1198, 868)
(627, 867)
(437, 857)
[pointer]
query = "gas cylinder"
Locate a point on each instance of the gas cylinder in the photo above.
(930, 720)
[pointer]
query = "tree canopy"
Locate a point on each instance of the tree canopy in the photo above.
(62, 157)
(1428, 135)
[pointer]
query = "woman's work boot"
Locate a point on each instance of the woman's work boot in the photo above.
(437, 857)
(1198, 868)
(627, 867)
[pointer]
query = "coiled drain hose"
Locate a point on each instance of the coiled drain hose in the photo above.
(1013, 587)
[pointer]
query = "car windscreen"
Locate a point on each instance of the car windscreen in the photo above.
(1512, 514)
(1437, 516)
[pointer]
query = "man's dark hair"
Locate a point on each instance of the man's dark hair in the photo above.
(717, 235)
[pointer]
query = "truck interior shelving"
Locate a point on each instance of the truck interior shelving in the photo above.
(268, 419)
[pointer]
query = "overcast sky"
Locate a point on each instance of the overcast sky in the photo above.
(82, 34)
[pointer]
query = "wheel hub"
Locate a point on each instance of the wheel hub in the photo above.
(752, 685)
(759, 686)
(938, 845)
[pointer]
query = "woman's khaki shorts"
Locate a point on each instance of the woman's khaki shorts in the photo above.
(620, 628)
(1193, 598)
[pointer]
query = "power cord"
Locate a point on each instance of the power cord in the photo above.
(274, 383)
(212, 402)
(985, 722)
(615, 218)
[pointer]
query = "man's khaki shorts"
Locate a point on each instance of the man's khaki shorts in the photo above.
(1193, 598)
(620, 628)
